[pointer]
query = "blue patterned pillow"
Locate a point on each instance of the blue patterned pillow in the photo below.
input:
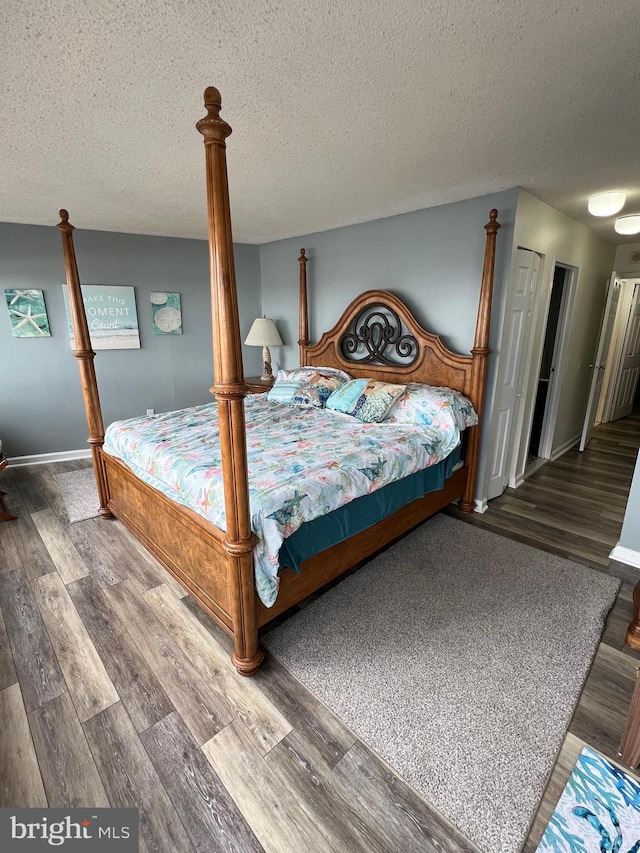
(366, 399)
(285, 387)
(316, 390)
(345, 397)
(376, 401)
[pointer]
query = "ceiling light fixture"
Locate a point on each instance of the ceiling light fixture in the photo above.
(606, 204)
(628, 224)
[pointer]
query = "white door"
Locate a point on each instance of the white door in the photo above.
(627, 381)
(598, 366)
(513, 353)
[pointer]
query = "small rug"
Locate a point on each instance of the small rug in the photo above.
(458, 655)
(79, 493)
(599, 810)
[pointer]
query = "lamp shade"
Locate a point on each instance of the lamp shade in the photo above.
(606, 204)
(263, 333)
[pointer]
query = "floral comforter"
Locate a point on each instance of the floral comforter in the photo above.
(303, 463)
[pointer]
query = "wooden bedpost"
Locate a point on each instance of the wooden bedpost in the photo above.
(229, 390)
(480, 353)
(633, 631)
(303, 311)
(85, 356)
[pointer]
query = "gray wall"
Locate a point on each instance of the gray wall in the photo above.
(431, 258)
(41, 408)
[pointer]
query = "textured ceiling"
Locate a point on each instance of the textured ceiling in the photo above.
(343, 110)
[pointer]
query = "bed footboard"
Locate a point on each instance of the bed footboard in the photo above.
(190, 548)
(194, 551)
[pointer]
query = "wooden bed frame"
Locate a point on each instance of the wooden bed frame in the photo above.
(217, 566)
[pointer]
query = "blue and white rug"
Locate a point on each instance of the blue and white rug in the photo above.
(599, 810)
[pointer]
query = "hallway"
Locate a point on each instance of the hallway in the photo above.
(574, 506)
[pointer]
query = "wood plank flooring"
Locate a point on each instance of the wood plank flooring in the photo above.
(116, 689)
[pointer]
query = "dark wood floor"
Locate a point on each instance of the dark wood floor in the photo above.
(116, 690)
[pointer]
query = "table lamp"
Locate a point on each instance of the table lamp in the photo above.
(263, 333)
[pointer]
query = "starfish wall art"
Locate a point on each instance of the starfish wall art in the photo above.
(28, 313)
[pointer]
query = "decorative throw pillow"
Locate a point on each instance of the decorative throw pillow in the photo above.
(324, 371)
(376, 401)
(344, 398)
(285, 386)
(366, 399)
(316, 390)
(433, 406)
(289, 382)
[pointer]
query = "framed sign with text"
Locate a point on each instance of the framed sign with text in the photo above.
(111, 316)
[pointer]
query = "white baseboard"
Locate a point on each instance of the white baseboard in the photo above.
(626, 555)
(59, 456)
(517, 481)
(559, 451)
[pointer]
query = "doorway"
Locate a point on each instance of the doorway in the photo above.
(628, 366)
(535, 313)
(540, 423)
(617, 363)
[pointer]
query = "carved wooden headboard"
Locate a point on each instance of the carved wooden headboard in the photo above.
(378, 336)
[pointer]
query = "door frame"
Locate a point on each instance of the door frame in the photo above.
(615, 353)
(632, 316)
(603, 347)
(559, 359)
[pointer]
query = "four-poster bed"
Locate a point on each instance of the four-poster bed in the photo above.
(217, 565)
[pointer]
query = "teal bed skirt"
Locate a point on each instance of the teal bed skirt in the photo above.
(361, 513)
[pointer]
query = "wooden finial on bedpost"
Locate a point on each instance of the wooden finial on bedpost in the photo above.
(480, 353)
(212, 127)
(227, 344)
(85, 355)
(229, 389)
(303, 312)
(481, 341)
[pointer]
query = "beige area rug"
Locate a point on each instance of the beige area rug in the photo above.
(458, 656)
(79, 493)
